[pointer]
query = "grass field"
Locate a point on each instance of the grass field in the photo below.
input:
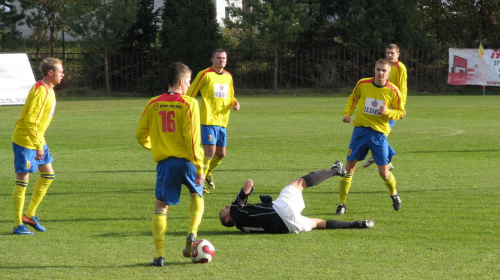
(98, 210)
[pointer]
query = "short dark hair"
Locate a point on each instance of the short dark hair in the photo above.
(175, 71)
(218, 50)
(393, 47)
(49, 64)
(223, 222)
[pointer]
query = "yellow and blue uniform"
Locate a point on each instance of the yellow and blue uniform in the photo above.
(170, 128)
(367, 98)
(28, 137)
(29, 131)
(217, 92)
(371, 128)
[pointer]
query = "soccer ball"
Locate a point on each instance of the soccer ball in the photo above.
(203, 251)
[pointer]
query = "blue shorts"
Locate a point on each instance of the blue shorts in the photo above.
(364, 139)
(391, 123)
(213, 135)
(24, 159)
(172, 173)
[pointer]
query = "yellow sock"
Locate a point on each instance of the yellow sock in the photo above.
(213, 164)
(390, 182)
(206, 163)
(159, 230)
(41, 187)
(344, 186)
(196, 208)
(18, 201)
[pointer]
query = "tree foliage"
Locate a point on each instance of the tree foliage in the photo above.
(367, 24)
(462, 23)
(190, 32)
(273, 23)
(44, 18)
(142, 35)
(101, 24)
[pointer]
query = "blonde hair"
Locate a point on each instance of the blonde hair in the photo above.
(49, 64)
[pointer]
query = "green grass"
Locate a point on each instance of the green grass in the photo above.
(98, 210)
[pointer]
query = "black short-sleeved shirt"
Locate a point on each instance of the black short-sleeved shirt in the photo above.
(253, 218)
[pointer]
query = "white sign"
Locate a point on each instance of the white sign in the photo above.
(16, 78)
(466, 69)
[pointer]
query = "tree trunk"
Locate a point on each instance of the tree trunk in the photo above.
(275, 71)
(106, 73)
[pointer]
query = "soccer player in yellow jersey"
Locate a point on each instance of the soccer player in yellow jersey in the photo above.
(217, 92)
(398, 77)
(170, 127)
(377, 101)
(30, 149)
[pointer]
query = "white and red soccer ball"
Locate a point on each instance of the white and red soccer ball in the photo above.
(203, 251)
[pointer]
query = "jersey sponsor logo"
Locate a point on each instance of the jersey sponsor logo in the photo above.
(372, 105)
(221, 90)
(156, 106)
(52, 110)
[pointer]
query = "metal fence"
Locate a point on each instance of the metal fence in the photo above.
(305, 68)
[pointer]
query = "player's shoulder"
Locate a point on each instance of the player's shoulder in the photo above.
(365, 81)
(393, 87)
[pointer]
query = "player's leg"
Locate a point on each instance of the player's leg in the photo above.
(196, 208)
(316, 177)
(344, 186)
(336, 224)
(358, 149)
(24, 163)
(42, 185)
(18, 198)
(220, 134)
(159, 230)
(383, 154)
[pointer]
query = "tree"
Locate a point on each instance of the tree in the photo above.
(44, 17)
(462, 23)
(190, 32)
(274, 23)
(101, 24)
(9, 18)
(371, 24)
(142, 35)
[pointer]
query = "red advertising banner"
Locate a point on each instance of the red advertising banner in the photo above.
(465, 67)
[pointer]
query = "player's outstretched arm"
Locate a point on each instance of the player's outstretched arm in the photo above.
(247, 186)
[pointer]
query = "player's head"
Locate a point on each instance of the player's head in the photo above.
(392, 53)
(382, 71)
(52, 68)
(225, 217)
(219, 59)
(179, 74)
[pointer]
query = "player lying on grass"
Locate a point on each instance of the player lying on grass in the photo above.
(284, 214)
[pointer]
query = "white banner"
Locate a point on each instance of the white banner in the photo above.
(465, 67)
(16, 78)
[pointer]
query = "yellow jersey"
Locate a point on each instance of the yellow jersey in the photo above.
(367, 98)
(398, 77)
(170, 127)
(29, 130)
(217, 93)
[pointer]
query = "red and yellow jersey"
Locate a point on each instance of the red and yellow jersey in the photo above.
(29, 131)
(217, 93)
(368, 97)
(170, 127)
(398, 77)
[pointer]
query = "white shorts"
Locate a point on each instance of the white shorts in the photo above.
(289, 206)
